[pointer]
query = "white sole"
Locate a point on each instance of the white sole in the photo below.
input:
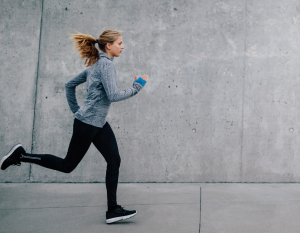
(9, 154)
(111, 220)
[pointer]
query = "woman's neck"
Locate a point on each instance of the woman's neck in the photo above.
(109, 54)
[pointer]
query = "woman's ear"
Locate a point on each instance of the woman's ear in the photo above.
(108, 46)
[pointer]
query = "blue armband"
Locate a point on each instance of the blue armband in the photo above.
(141, 81)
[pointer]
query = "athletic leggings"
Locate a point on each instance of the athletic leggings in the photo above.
(83, 135)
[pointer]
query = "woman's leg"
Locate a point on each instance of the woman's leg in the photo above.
(82, 137)
(105, 142)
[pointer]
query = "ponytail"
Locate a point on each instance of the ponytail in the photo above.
(85, 45)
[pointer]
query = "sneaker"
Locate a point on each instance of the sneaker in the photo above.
(118, 214)
(12, 157)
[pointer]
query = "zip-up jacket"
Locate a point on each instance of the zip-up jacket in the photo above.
(101, 80)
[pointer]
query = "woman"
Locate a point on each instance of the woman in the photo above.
(90, 124)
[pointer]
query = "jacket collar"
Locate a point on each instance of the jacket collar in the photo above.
(105, 55)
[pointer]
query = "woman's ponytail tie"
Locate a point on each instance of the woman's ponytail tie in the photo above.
(96, 41)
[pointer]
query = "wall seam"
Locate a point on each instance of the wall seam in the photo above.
(243, 95)
(200, 212)
(36, 85)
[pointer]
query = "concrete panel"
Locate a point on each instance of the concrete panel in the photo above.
(185, 126)
(271, 114)
(19, 35)
(250, 208)
(80, 208)
(190, 123)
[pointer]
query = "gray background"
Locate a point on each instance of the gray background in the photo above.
(227, 69)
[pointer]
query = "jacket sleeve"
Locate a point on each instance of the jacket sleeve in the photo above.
(70, 90)
(109, 81)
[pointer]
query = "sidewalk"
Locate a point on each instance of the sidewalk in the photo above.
(161, 207)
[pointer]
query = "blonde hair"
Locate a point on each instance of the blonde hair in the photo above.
(85, 45)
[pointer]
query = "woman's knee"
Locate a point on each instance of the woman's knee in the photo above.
(67, 168)
(114, 164)
(117, 162)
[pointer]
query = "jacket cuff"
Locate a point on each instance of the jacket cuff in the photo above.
(141, 81)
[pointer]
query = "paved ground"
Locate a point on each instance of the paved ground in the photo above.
(232, 208)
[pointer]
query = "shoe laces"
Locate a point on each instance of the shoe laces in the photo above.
(120, 209)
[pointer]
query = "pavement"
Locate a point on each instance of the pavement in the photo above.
(161, 207)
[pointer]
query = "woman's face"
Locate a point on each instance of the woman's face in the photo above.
(115, 49)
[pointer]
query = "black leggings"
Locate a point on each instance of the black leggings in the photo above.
(83, 135)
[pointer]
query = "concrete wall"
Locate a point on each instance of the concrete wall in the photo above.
(19, 38)
(221, 105)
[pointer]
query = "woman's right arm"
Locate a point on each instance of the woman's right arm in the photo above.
(109, 81)
(70, 90)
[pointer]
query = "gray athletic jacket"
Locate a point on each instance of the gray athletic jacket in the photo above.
(101, 80)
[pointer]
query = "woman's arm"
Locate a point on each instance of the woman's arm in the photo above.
(109, 81)
(70, 90)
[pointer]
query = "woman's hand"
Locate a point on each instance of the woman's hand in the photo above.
(145, 77)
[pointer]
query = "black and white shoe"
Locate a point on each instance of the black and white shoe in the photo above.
(12, 157)
(118, 214)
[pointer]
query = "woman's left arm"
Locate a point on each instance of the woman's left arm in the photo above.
(70, 90)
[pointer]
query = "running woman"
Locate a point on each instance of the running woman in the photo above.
(90, 124)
